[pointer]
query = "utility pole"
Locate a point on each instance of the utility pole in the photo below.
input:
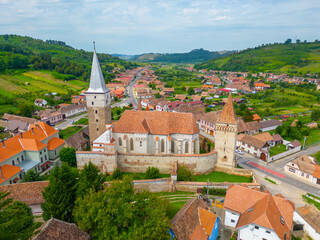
(304, 142)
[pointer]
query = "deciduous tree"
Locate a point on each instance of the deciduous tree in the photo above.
(120, 213)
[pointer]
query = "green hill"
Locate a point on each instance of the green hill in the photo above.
(18, 52)
(32, 68)
(195, 56)
(292, 58)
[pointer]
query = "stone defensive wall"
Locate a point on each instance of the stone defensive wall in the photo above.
(134, 162)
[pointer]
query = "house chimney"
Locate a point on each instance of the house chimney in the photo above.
(3, 144)
(21, 135)
(32, 130)
(1, 175)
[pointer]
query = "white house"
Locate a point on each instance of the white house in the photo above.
(309, 216)
(258, 215)
(269, 125)
(40, 102)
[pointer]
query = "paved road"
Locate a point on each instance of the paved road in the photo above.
(68, 121)
(130, 88)
(276, 172)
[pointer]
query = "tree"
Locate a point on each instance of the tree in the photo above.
(90, 178)
(251, 84)
(31, 176)
(247, 115)
(315, 115)
(191, 91)
(120, 213)
(184, 173)
(60, 195)
(16, 219)
(157, 95)
(298, 41)
(68, 154)
(117, 175)
(26, 110)
(289, 40)
(152, 173)
(208, 109)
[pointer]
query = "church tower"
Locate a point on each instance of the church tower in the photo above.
(226, 136)
(98, 101)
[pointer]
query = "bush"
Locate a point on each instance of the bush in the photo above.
(68, 154)
(184, 173)
(215, 191)
(152, 173)
(117, 174)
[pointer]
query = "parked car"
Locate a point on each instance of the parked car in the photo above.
(239, 151)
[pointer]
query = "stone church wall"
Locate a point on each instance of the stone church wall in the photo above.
(199, 163)
(104, 162)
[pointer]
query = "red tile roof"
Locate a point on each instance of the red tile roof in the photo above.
(54, 143)
(228, 114)
(260, 208)
(162, 123)
(8, 171)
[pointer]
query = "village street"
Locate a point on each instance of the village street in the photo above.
(276, 172)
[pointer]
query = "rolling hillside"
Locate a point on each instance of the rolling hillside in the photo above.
(195, 56)
(292, 58)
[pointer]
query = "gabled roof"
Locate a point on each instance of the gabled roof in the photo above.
(57, 229)
(55, 142)
(31, 144)
(8, 171)
(162, 123)
(228, 115)
(30, 192)
(311, 214)
(252, 141)
(194, 221)
(260, 208)
(266, 136)
(35, 134)
(270, 123)
(97, 83)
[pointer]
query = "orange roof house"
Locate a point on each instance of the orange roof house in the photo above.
(195, 221)
(249, 208)
(256, 117)
(17, 154)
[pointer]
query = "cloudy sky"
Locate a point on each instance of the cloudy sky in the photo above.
(140, 26)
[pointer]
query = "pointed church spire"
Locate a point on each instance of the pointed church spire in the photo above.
(228, 115)
(97, 83)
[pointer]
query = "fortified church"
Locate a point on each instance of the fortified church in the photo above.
(141, 139)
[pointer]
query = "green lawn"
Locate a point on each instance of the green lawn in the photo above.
(311, 201)
(82, 121)
(313, 137)
(68, 132)
(268, 179)
(222, 177)
(280, 148)
(175, 207)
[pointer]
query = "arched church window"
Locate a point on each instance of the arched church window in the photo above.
(186, 147)
(172, 146)
(162, 145)
(120, 141)
(131, 144)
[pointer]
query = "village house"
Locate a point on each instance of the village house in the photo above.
(196, 98)
(305, 168)
(51, 116)
(56, 229)
(16, 126)
(258, 215)
(72, 109)
(250, 128)
(78, 99)
(10, 117)
(180, 97)
(309, 217)
(40, 102)
(269, 125)
(79, 140)
(33, 149)
(195, 221)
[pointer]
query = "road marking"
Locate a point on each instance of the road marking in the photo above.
(267, 170)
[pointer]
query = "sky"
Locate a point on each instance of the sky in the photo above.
(162, 26)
